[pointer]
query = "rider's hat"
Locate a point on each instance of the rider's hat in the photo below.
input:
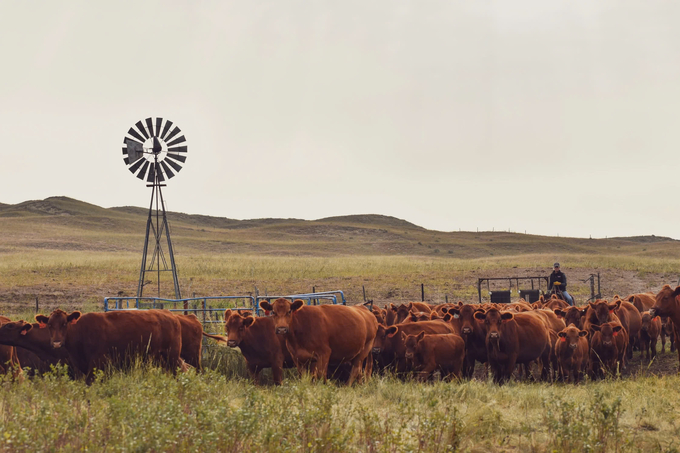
(556, 265)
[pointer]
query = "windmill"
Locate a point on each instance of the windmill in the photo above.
(155, 151)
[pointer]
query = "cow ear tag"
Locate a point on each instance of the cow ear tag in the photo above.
(456, 316)
(616, 333)
(563, 339)
(24, 332)
(42, 325)
(611, 311)
(74, 321)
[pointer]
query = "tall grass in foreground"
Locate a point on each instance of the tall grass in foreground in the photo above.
(146, 409)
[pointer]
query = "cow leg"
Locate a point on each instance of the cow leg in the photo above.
(663, 341)
(653, 347)
(254, 372)
(368, 367)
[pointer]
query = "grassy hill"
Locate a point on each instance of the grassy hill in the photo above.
(71, 253)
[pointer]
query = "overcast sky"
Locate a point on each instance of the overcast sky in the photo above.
(550, 116)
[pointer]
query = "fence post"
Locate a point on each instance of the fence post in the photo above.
(422, 292)
(37, 307)
(363, 288)
(203, 310)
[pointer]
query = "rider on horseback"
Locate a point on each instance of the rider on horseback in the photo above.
(558, 283)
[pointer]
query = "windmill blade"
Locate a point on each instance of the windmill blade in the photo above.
(140, 126)
(152, 174)
(168, 124)
(159, 121)
(177, 141)
(136, 165)
(167, 170)
(177, 157)
(149, 125)
(159, 172)
(178, 149)
(142, 172)
(134, 150)
(136, 135)
(173, 164)
(174, 132)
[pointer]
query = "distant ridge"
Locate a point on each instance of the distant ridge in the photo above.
(371, 219)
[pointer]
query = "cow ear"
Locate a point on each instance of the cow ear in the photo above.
(560, 313)
(595, 327)
(617, 328)
(631, 298)
(413, 317)
(42, 320)
(420, 336)
(266, 306)
(454, 312)
(25, 328)
(295, 306)
(445, 310)
(562, 334)
(618, 303)
(480, 315)
(410, 306)
(392, 307)
(73, 317)
(435, 315)
(676, 292)
(583, 333)
(248, 321)
(507, 316)
(447, 317)
(591, 305)
(584, 311)
(392, 331)
(227, 313)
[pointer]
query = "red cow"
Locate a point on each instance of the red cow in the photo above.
(571, 350)
(667, 305)
(607, 347)
(474, 335)
(572, 315)
(643, 301)
(322, 335)
(513, 339)
(632, 322)
(34, 340)
(649, 334)
(667, 330)
(94, 340)
(390, 347)
(192, 340)
(8, 354)
(444, 352)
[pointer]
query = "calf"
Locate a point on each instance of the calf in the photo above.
(95, 340)
(444, 352)
(667, 330)
(472, 331)
(34, 338)
(571, 350)
(649, 334)
(323, 335)
(607, 348)
(513, 339)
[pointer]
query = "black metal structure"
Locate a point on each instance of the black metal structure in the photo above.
(155, 151)
(503, 296)
(594, 296)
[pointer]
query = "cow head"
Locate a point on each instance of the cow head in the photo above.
(235, 327)
(572, 316)
(415, 316)
(647, 320)
(379, 314)
(403, 311)
(380, 338)
(13, 331)
(411, 343)
(58, 324)
(603, 310)
(607, 332)
(282, 311)
(493, 320)
(466, 318)
(571, 336)
(666, 302)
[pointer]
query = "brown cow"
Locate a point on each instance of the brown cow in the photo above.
(192, 340)
(554, 303)
(632, 322)
(607, 347)
(649, 334)
(390, 347)
(643, 301)
(513, 339)
(667, 305)
(404, 310)
(472, 331)
(667, 330)
(259, 344)
(33, 339)
(416, 316)
(8, 355)
(444, 352)
(94, 340)
(571, 350)
(572, 315)
(323, 335)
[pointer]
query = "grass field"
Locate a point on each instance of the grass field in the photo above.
(71, 255)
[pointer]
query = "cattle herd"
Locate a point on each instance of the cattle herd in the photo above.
(416, 339)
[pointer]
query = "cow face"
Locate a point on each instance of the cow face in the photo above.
(466, 318)
(603, 310)
(58, 324)
(647, 320)
(493, 320)
(236, 327)
(572, 316)
(411, 344)
(571, 336)
(403, 311)
(282, 311)
(608, 332)
(380, 338)
(666, 302)
(13, 331)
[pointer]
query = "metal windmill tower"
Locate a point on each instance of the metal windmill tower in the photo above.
(155, 151)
